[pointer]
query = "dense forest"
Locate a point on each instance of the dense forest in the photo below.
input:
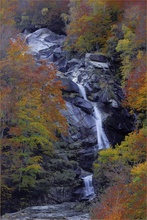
(31, 99)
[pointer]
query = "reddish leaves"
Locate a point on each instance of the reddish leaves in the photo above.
(135, 88)
(113, 203)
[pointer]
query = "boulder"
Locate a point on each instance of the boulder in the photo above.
(69, 85)
(83, 104)
(58, 53)
(99, 65)
(98, 58)
(62, 64)
(54, 38)
(114, 103)
(72, 63)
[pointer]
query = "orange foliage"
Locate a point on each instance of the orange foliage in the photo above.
(137, 200)
(124, 201)
(136, 87)
(31, 103)
(7, 11)
(113, 203)
(25, 83)
(7, 30)
(125, 3)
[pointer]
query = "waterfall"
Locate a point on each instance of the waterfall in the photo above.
(88, 189)
(101, 137)
(84, 117)
(82, 91)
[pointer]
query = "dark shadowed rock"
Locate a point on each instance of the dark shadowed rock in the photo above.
(58, 53)
(98, 58)
(83, 104)
(54, 38)
(72, 63)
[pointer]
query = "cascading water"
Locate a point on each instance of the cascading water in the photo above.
(82, 91)
(101, 137)
(41, 43)
(88, 189)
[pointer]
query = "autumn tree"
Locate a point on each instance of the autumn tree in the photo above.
(89, 25)
(136, 203)
(113, 203)
(122, 170)
(133, 41)
(7, 24)
(124, 200)
(137, 82)
(30, 117)
(112, 162)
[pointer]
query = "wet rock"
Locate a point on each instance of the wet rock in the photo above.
(86, 158)
(117, 125)
(72, 63)
(99, 65)
(83, 104)
(66, 211)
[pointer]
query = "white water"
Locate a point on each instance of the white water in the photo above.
(82, 91)
(88, 190)
(101, 137)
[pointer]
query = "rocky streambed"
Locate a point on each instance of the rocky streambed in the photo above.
(64, 211)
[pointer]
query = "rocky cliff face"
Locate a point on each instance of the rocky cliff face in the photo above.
(94, 113)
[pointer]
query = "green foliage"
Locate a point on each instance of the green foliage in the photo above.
(128, 48)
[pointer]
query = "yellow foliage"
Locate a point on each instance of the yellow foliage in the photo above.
(33, 168)
(108, 155)
(89, 25)
(140, 54)
(139, 170)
